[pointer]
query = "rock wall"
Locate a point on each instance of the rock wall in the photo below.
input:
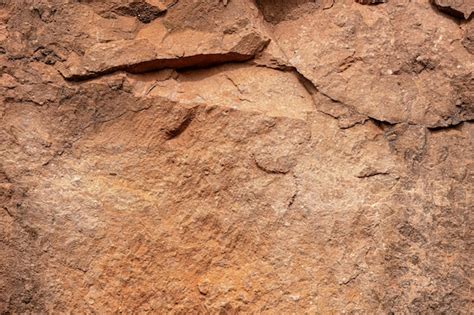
(204, 157)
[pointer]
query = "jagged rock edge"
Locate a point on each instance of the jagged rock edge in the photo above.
(196, 61)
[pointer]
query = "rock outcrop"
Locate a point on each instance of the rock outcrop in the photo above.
(242, 156)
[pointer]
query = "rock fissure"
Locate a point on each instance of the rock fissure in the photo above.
(295, 194)
(191, 62)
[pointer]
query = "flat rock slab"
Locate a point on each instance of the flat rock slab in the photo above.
(388, 71)
(243, 87)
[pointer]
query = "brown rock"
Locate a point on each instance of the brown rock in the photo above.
(242, 87)
(386, 71)
(141, 55)
(142, 10)
(202, 169)
(460, 8)
(468, 40)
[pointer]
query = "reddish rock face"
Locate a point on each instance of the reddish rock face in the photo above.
(235, 157)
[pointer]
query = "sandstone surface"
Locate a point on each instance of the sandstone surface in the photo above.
(210, 157)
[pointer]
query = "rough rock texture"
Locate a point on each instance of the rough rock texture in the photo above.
(457, 8)
(198, 157)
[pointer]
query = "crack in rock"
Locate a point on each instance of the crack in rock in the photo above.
(140, 56)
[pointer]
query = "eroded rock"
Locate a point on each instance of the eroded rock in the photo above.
(468, 40)
(326, 171)
(461, 8)
(246, 88)
(143, 54)
(142, 10)
(386, 71)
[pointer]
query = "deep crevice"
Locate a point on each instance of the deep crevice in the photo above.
(382, 124)
(456, 126)
(451, 13)
(183, 63)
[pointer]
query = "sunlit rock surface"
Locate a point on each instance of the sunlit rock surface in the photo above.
(195, 157)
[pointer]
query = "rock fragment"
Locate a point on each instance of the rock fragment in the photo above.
(461, 9)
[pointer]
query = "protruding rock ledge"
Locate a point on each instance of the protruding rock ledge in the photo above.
(241, 87)
(142, 55)
(459, 9)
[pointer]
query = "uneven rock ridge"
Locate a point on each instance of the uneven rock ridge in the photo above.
(224, 157)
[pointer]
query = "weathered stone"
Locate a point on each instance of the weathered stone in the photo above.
(285, 157)
(246, 88)
(142, 10)
(140, 55)
(468, 40)
(385, 70)
(458, 8)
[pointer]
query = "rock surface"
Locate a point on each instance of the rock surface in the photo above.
(162, 50)
(272, 157)
(457, 8)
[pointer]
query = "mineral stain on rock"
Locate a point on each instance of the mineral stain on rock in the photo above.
(225, 157)
(142, 10)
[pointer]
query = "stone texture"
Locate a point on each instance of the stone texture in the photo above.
(176, 50)
(388, 71)
(282, 157)
(459, 8)
(246, 88)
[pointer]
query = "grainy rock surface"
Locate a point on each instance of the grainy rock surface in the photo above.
(276, 157)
